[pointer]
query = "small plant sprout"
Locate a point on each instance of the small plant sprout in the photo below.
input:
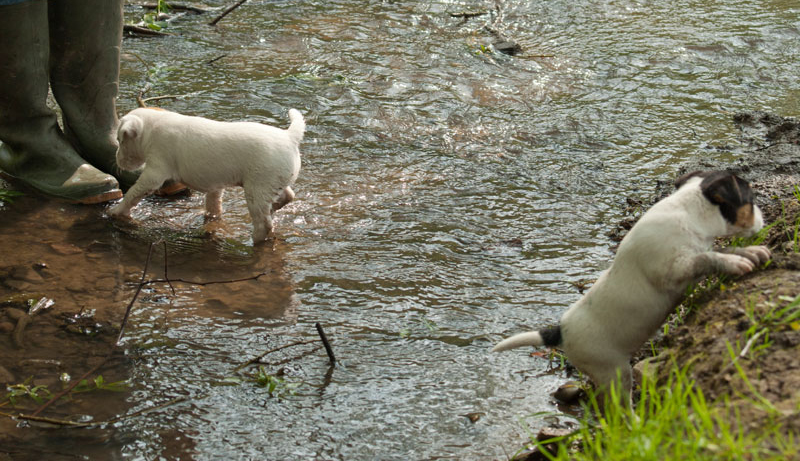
(153, 20)
(38, 394)
(99, 383)
(276, 386)
(430, 325)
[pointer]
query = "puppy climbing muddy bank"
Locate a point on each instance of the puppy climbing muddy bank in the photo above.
(668, 248)
(209, 156)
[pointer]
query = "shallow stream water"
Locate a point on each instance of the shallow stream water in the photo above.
(450, 196)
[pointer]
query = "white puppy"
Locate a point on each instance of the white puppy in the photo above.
(209, 156)
(668, 248)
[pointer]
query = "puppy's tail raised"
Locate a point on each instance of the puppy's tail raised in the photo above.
(550, 336)
(297, 127)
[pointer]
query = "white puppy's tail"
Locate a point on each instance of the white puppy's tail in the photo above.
(297, 127)
(550, 336)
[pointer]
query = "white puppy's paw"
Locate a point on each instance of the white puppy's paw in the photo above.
(118, 211)
(734, 264)
(756, 253)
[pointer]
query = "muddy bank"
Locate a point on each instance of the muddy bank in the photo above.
(84, 270)
(737, 348)
(768, 158)
(728, 332)
(739, 338)
(739, 335)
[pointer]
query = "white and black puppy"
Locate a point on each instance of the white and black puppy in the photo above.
(669, 248)
(209, 156)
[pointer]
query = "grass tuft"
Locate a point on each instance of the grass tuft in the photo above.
(672, 421)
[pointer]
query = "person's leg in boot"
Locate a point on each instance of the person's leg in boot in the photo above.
(32, 148)
(84, 66)
(85, 42)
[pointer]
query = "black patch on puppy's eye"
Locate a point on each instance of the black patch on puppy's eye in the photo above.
(727, 191)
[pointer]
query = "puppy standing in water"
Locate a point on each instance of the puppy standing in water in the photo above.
(209, 156)
(668, 248)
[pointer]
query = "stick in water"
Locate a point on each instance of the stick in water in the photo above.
(325, 342)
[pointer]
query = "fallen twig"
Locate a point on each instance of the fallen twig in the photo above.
(142, 101)
(212, 61)
(177, 7)
(292, 359)
(325, 342)
(750, 342)
(745, 349)
(73, 424)
(158, 98)
(19, 329)
(111, 352)
(261, 356)
(167, 280)
(135, 295)
(225, 12)
(72, 386)
(139, 30)
(166, 269)
(139, 97)
(142, 283)
(468, 14)
(213, 282)
(772, 145)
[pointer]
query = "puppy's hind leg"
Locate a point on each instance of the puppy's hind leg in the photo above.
(260, 213)
(286, 196)
(214, 204)
(620, 378)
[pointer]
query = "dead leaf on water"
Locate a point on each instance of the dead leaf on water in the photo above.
(474, 417)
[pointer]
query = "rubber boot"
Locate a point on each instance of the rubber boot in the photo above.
(32, 147)
(85, 42)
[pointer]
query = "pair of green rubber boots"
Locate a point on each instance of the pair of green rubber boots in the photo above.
(72, 46)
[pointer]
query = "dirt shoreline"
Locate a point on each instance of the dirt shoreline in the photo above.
(730, 315)
(765, 378)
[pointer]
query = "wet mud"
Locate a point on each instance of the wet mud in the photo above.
(63, 295)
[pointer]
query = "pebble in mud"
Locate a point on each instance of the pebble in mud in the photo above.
(65, 249)
(569, 392)
(536, 453)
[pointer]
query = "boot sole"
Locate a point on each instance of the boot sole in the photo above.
(101, 198)
(106, 196)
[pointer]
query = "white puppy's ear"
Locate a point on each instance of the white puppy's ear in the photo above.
(129, 154)
(130, 127)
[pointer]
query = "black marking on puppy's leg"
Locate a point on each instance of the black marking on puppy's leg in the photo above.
(551, 336)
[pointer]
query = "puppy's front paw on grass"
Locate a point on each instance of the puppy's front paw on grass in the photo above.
(734, 264)
(758, 254)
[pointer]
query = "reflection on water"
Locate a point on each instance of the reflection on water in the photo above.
(448, 197)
